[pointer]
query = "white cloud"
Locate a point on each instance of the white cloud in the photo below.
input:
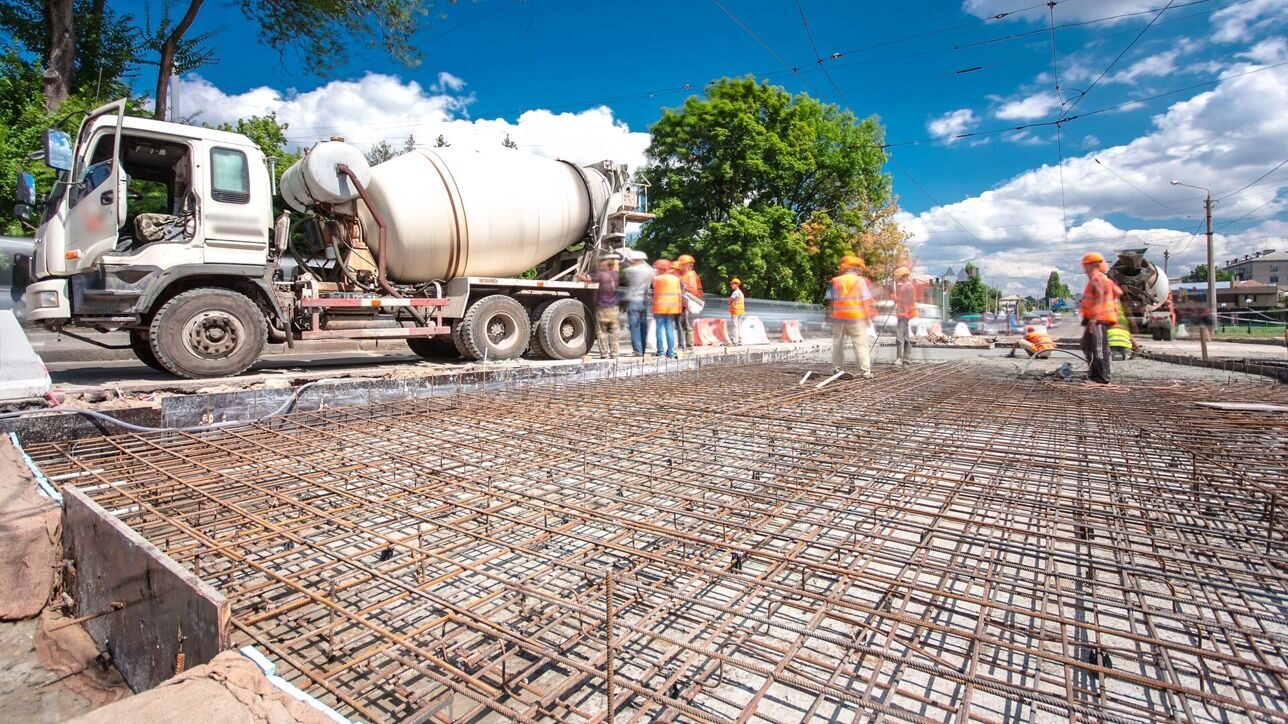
(380, 107)
(1222, 138)
(1158, 64)
(1065, 12)
(1238, 22)
(952, 124)
(1038, 105)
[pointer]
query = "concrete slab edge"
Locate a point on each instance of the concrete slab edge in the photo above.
(269, 669)
(42, 483)
(1247, 368)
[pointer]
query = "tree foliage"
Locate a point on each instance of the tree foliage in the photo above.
(1056, 289)
(380, 152)
(89, 46)
(441, 142)
(1199, 274)
(509, 143)
(972, 296)
(768, 187)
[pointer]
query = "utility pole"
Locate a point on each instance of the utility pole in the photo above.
(1166, 253)
(1211, 263)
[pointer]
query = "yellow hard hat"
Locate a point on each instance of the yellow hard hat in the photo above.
(735, 280)
(1092, 257)
(902, 271)
(684, 259)
(850, 260)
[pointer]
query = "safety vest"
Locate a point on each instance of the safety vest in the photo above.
(851, 298)
(666, 294)
(736, 302)
(905, 300)
(691, 283)
(1100, 300)
(1119, 337)
(1041, 342)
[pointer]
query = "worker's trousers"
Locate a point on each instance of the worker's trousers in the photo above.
(855, 332)
(1095, 346)
(607, 320)
(665, 324)
(735, 329)
(903, 339)
(684, 335)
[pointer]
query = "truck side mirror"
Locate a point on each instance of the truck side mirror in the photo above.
(22, 211)
(58, 149)
(25, 191)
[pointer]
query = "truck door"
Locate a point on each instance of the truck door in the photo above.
(96, 199)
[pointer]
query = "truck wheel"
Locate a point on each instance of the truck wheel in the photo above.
(563, 330)
(534, 340)
(1166, 334)
(434, 348)
(495, 328)
(1155, 334)
(143, 350)
(208, 332)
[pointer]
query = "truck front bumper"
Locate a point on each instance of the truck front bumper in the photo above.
(47, 301)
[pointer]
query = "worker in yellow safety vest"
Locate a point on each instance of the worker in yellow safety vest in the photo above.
(667, 304)
(737, 307)
(852, 308)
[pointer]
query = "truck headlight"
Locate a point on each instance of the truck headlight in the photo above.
(47, 299)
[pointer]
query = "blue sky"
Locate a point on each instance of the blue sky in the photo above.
(492, 67)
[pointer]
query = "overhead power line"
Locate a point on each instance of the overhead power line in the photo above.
(1253, 182)
(817, 57)
(763, 44)
(1111, 65)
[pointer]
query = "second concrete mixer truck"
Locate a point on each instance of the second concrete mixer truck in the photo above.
(166, 231)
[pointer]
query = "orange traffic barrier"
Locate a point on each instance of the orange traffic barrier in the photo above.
(710, 333)
(791, 331)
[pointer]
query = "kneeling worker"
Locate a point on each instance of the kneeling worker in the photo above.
(1037, 344)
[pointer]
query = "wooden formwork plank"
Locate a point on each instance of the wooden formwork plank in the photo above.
(157, 598)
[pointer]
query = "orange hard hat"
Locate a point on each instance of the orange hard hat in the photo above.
(1092, 257)
(662, 265)
(902, 271)
(685, 259)
(850, 260)
(735, 280)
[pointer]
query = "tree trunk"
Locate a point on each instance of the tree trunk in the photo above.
(57, 81)
(165, 66)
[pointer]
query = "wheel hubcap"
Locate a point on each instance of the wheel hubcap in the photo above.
(571, 331)
(213, 335)
(502, 330)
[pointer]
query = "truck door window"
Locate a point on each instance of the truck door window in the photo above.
(229, 176)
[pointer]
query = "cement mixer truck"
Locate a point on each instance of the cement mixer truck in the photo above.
(1147, 297)
(166, 231)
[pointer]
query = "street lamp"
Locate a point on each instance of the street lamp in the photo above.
(1211, 264)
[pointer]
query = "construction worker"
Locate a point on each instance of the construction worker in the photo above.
(639, 282)
(667, 304)
(607, 308)
(905, 310)
(1037, 344)
(1099, 312)
(1122, 345)
(737, 308)
(691, 285)
(853, 308)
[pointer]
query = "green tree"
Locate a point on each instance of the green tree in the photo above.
(410, 144)
(380, 152)
(972, 296)
(1056, 289)
(509, 142)
(82, 43)
(1199, 274)
(270, 135)
(441, 142)
(766, 186)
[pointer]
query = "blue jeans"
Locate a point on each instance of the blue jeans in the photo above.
(637, 322)
(665, 334)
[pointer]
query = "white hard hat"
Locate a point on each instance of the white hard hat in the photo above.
(638, 255)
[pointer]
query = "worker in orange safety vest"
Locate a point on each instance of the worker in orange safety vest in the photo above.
(667, 304)
(692, 285)
(905, 310)
(1037, 344)
(852, 308)
(737, 307)
(1099, 312)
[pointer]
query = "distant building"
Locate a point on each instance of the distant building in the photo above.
(1009, 304)
(1230, 295)
(1267, 267)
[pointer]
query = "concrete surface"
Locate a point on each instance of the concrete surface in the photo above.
(28, 691)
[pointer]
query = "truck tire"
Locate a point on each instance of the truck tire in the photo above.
(495, 327)
(535, 350)
(208, 332)
(434, 348)
(1166, 334)
(564, 330)
(1156, 334)
(143, 350)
